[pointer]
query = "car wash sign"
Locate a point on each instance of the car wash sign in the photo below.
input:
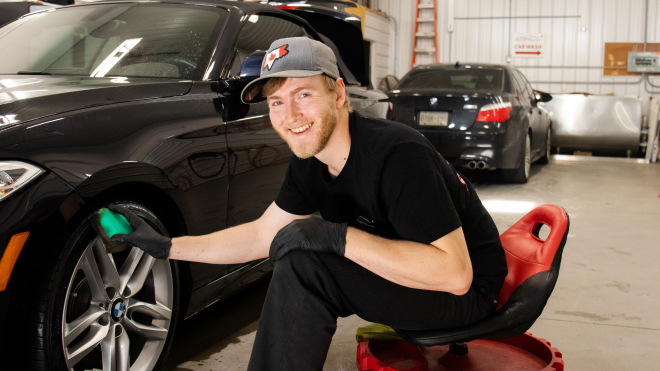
(528, 45)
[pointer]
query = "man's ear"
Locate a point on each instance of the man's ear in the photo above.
(341, 92)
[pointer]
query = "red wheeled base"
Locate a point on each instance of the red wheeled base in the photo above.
(521, 353)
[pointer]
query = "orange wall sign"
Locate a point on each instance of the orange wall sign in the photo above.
(616, 55)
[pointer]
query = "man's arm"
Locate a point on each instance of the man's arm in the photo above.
(239, 244)
(444, 265)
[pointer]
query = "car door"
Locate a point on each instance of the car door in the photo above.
(259, 157)
(535, 118)
(523, 99)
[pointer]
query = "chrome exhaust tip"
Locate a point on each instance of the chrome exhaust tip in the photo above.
(472, 165)
(482, 165)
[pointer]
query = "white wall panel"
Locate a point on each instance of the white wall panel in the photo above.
(376, 30)
(574, 58)
(403, 13)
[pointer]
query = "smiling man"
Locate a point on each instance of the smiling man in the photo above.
(404, 240)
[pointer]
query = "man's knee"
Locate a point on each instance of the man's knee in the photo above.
(296, 264)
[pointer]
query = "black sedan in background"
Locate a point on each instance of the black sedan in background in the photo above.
(478, 116)
(138, 104)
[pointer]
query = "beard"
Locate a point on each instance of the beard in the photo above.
(324, 126)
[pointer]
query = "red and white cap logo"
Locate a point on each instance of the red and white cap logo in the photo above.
(274, 55)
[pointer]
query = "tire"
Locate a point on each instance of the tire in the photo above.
(104, 311)
(548, 146)
(520, 175)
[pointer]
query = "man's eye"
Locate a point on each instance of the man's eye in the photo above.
(303, 95)
(276, 103)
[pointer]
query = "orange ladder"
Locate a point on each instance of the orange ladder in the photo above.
(424, 17)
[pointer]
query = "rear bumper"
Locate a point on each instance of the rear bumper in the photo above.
(495, 143)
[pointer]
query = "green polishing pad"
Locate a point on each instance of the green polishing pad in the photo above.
(114, 223)
(107, 224)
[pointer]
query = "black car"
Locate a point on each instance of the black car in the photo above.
(478, 116)
(138, 104)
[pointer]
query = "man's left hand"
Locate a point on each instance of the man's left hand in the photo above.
(311, 234)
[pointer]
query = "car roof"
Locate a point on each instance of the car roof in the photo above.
(463, 64)
(246, 7)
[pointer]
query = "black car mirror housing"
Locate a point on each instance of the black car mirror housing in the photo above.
(542, 96)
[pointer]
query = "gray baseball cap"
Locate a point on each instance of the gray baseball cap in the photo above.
(292, 57)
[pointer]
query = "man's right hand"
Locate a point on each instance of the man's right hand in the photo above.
(144, 237)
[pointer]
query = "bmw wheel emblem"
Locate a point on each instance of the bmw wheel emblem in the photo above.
(118, 310)
(433, 102)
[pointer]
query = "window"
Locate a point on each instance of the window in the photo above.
(254, 40)
(129, 40)
(525, 88)
(454, 78)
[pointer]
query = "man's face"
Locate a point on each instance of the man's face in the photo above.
(304, 113)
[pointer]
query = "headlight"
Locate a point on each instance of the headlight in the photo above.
(14, 175)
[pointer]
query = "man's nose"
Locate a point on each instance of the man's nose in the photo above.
(292, 113)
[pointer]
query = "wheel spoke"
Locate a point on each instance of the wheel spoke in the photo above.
(148, 331)
(136, 281)
(109, 350)
(122, 345)
(157, 311)
(129, 266)
(91, 269)
(75, 328)
(108, 270)
(96, 334)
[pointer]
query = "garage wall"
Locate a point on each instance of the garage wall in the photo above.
(574, 61)
(377, 31)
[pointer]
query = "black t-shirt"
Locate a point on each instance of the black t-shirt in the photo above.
(397, 186)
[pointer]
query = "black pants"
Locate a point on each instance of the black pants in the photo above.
(309, 291)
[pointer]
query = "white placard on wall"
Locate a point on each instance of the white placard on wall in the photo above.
(528, 45)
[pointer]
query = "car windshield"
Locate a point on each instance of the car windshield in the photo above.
(453, 78)
(131, 40)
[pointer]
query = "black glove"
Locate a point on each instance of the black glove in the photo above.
(143, 236)
(310, 234)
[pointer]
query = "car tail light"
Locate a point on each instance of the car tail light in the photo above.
(10, 256)
(496, 112)
(287, 7)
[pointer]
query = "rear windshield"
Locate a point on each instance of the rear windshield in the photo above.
(132, 40)
(453, 78)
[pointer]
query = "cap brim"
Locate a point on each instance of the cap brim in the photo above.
(252, 92)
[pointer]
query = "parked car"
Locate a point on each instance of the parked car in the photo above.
(137, 104)
(478, 116)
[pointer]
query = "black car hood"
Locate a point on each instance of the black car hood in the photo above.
(26, 98)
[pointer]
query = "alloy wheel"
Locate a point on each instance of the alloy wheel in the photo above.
(117, 310)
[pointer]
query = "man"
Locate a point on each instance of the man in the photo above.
(404, 239)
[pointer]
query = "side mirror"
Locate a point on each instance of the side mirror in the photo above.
(250, 70)
(542, 96)
(251, 66)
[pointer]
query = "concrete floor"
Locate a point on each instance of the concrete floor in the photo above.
(602, 315)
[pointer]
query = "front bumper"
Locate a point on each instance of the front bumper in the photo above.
(491, 142)
(41, 208)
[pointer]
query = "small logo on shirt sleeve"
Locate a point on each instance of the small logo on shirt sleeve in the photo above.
(364, 221)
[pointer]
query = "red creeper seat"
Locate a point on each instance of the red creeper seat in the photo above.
(533, 269)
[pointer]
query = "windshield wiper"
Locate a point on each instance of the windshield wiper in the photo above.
(32, 73)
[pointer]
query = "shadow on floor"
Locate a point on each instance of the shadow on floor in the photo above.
(216, 324)
(491, 177)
